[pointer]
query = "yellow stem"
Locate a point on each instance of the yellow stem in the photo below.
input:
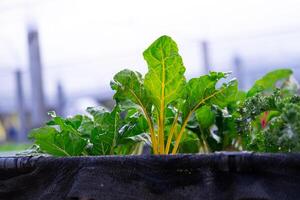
(152, 134)
(180, 134)
(187, 119)
(151, 129)
(158, 136)
(170, 136)
(161, 136)
(161, 123)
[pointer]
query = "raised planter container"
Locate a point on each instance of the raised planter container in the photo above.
(230, 176)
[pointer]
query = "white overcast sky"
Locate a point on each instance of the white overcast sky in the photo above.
(84, 42)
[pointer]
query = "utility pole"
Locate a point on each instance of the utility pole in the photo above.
(206, 62)
(60, 100)
(21, 108)
(37, 101)
(238, 70)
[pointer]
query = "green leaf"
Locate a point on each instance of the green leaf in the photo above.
(86, 126)
(79, 124)
(190, 143)
(143, 137)
(165, 78)
(133, 134)
(228, 94)
(205, 117)
(200, 91)
(55, 143)
(217, 129)
(135, 124)
(63, 136)
(129, 86)
(75, 121)
(104, 135)
(268, 82)
(283, 131)
(65, 125)
(99, 113)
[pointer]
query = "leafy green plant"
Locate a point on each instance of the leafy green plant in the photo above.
(280, 132)
(267, 119)
(100, 133)
(163, 87)
(163, 110)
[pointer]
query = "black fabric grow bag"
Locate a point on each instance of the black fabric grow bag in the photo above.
(211, 176)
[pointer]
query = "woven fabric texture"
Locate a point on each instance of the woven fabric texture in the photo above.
(218, 176)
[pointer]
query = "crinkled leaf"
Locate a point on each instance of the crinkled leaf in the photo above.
(64, 125)
(144, 137)
(228, 94)
(200, 91)
(280, 133)
(283, 131)
(129, 87)
(86, 126)
(58, 144)
(131, 94)
(135, 124)
(75, 121)
(99, 113)
(104, 135)
(78, 124)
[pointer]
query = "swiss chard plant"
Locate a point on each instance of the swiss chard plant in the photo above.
(165, 111)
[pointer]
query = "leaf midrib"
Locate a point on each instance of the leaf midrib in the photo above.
(162, 105)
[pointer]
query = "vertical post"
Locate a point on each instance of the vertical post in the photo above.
(205, 51)
(21, 110)
(60, 100)
(238, 70)
(37, 101)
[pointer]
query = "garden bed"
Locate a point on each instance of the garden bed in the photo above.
(207, 176)
(180, 123)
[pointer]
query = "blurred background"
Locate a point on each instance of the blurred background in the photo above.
(61, 54)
